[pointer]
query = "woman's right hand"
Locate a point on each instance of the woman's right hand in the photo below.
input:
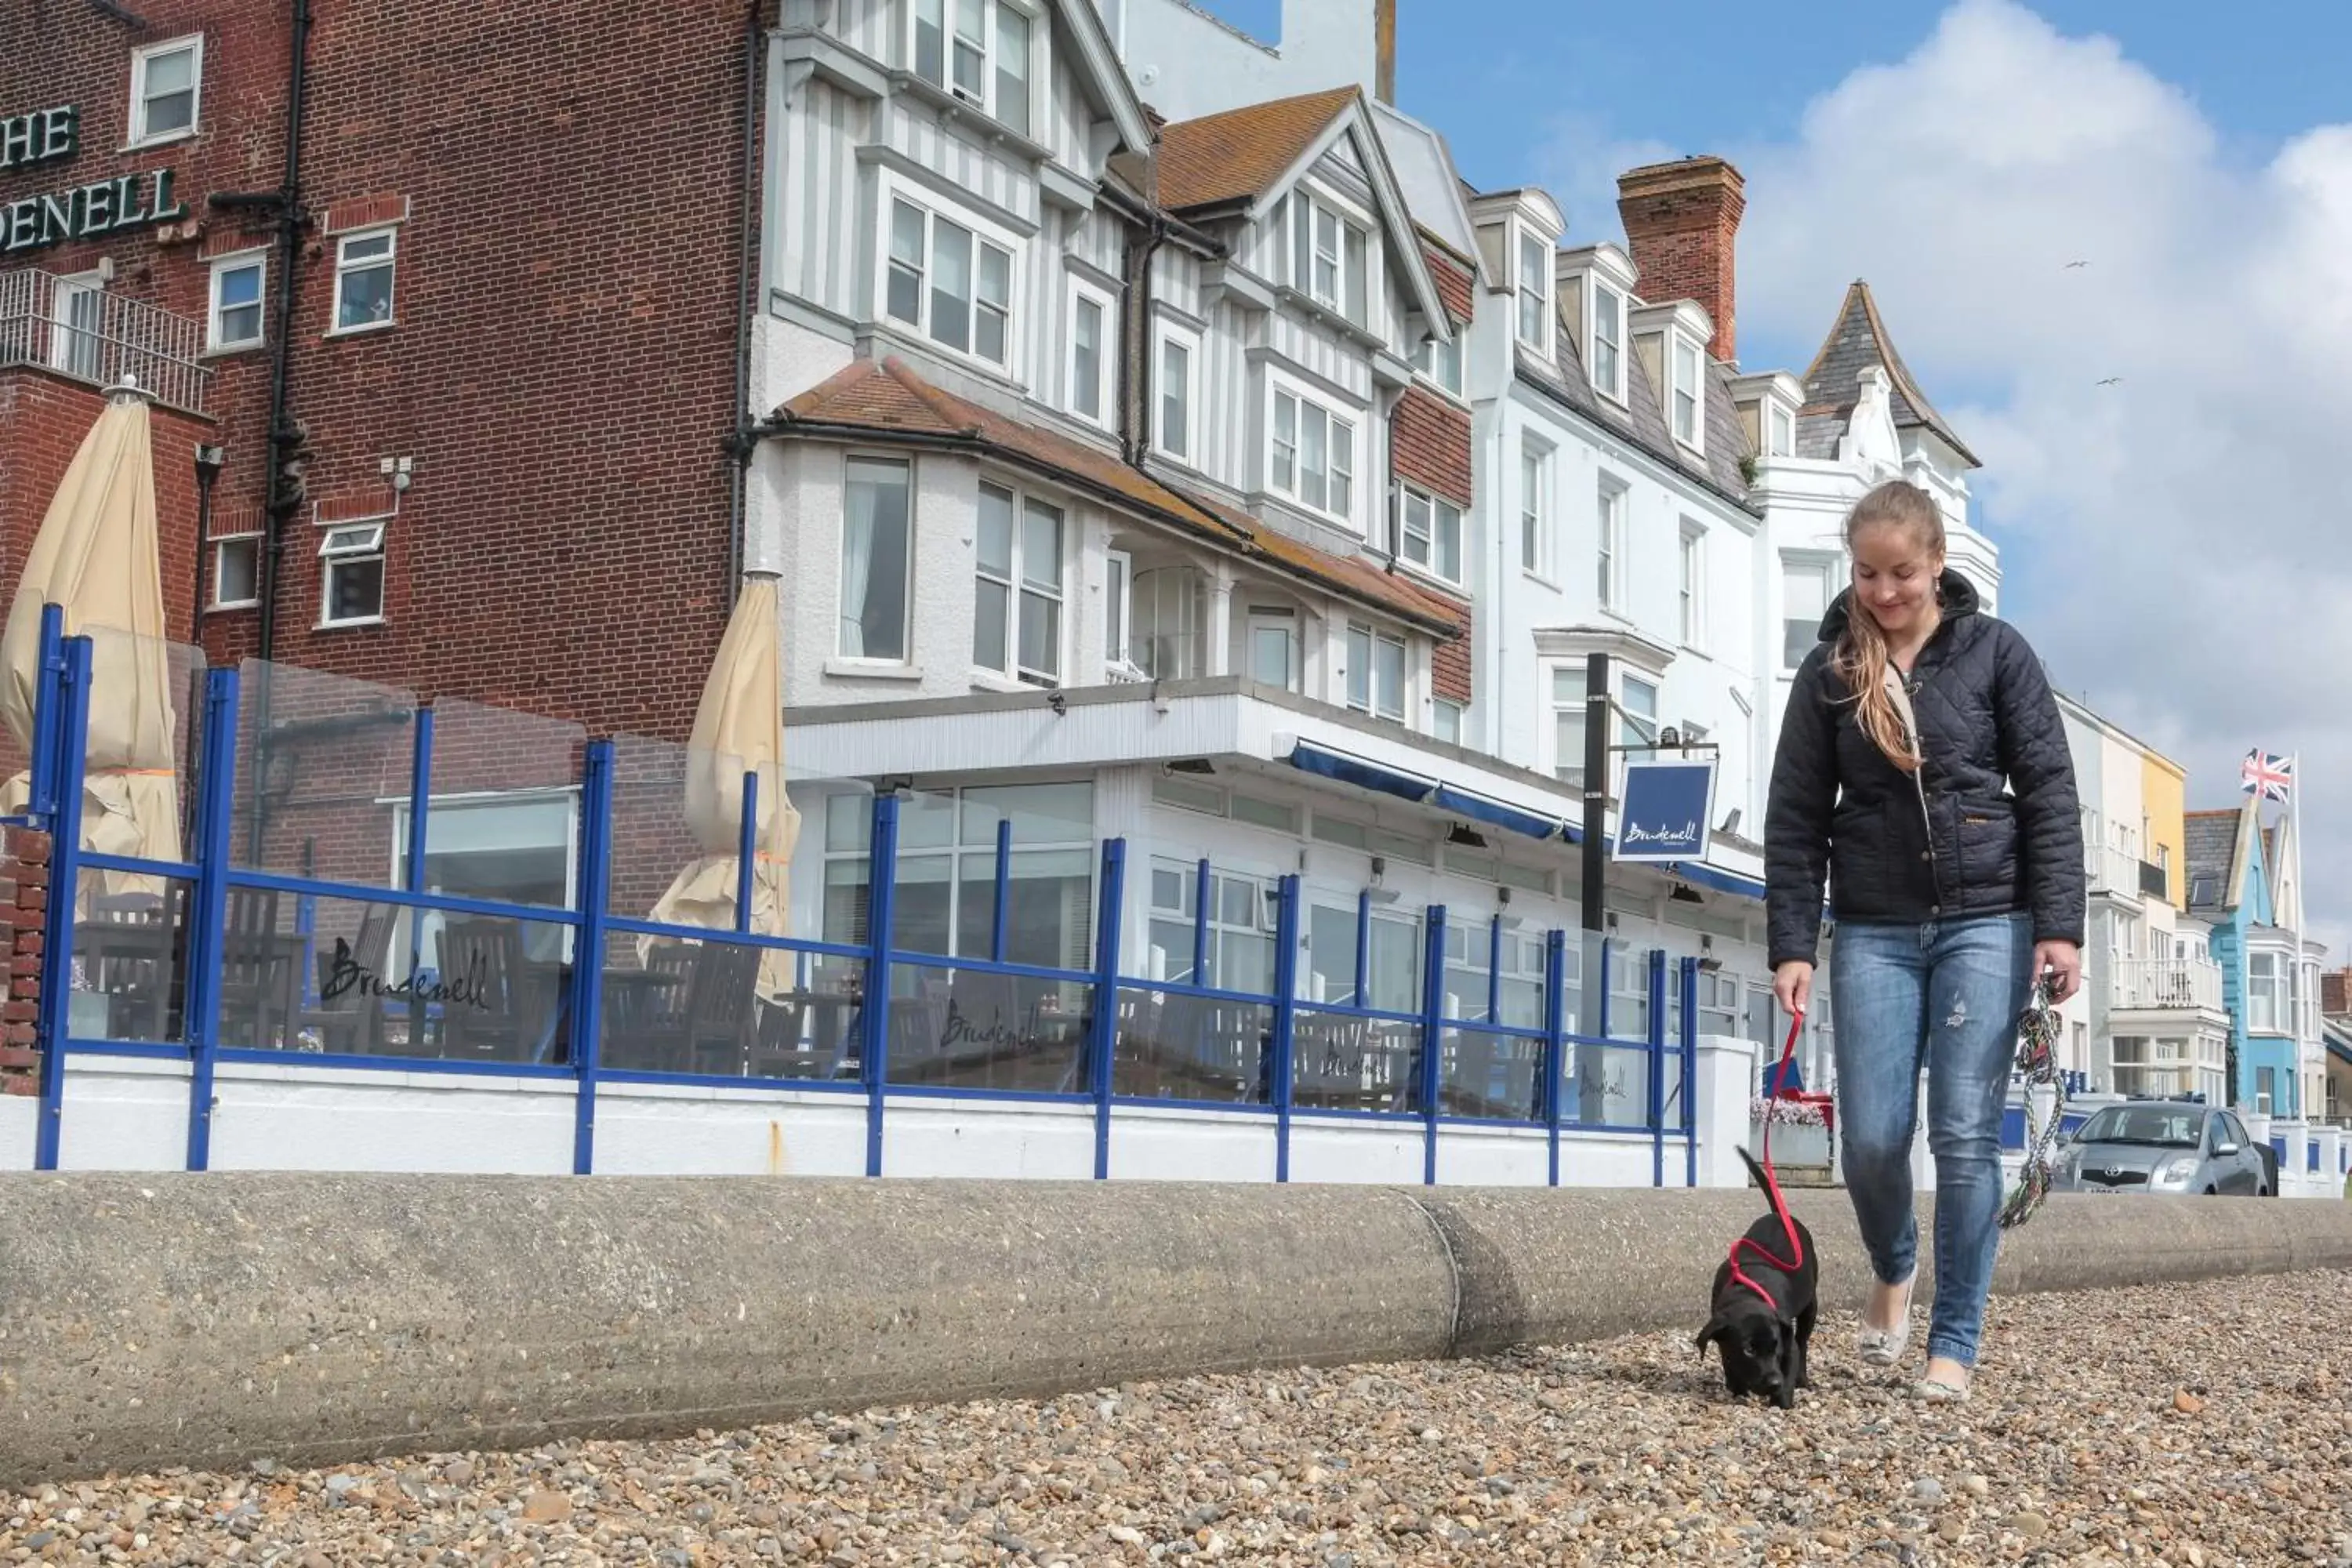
(1792, 982)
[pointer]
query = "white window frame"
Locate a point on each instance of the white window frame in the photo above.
(219, 544)
(987, 100)
(1448, 720)
(906, 656)
(1172, 335)
(1638, 729)
(1779, 430)
(1429, 355)
(1690, 587)
(78, 348)
(1536, 470)
(354, 543)
(1612, 497)
(1181, 915)
(1433, 533)
(1686, 378)
(1613, 385)
(1119, 606)
(2266, 995)
(1532, 252)
(1280, 388)
(934, 211)
(1264, 618)
(1106, 354)
(136, 116)
(346, 269)
(1365, 645)
(1568, 769)
(1020, 590)
(1350, 222)
(1791, 567)
(222, 266)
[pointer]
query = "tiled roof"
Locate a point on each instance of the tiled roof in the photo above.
(1643, 420)
(1833, 383)
(1239, 154)
(1452, 274)
(2212, 853)
(885, 399)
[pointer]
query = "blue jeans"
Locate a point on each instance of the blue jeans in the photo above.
(1945, 995)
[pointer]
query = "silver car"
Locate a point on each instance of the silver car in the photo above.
(2163, 1146)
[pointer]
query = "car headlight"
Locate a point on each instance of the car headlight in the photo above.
(2176, 1172)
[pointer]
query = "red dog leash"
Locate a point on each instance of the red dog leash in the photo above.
(1773, 1186)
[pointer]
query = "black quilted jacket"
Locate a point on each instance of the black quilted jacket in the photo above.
(1988, 825)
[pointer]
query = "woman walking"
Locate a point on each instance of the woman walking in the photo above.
(1923, 772)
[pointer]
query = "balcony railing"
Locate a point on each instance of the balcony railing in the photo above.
(2114, 871)
(77, 330)
(2154, 880)
(2166, 982)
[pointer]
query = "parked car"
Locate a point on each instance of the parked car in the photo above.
(2165, 1146)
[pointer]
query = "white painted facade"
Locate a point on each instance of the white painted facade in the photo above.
(1187, 63)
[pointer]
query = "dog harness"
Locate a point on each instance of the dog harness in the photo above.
(1796, 1258)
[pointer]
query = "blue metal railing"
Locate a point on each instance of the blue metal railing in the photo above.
(1448, 1070)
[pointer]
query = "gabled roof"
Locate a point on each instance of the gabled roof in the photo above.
(1833, 383)
(885, 401)
(1245, 158)
(2218, 850)
(1243, 153)
(1099, 68)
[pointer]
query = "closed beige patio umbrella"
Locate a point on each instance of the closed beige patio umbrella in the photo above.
(739, 728)
(96, 557)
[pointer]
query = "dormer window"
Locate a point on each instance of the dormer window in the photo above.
(1609, 341)
(1327, 256)
(1779, 431)
(979, 50)
(1684, 400)
(1535, 291)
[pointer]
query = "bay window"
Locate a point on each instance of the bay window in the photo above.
(1328, 255)
(1239, 928)
(979, 50)
(2266, 994)
(1430, 534)
(876, 528)
(1376, 666)
(950, 283)
(1567, 725)
(1311, 456)
(1017, 588)
(1804, 600)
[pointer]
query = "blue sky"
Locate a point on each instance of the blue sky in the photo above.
(2160, 426)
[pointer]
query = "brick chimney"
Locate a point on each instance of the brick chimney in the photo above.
(1385, 50)
(1681, 219)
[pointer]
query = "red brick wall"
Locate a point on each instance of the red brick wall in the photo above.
(1680, 222)
(561, 372)
(23, 899)
(1429, 447)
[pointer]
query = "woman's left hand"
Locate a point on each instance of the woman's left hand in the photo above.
(2062, 961)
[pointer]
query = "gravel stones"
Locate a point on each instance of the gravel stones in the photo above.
(2077, 1447)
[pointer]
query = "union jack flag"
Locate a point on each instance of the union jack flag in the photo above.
(2267, 775)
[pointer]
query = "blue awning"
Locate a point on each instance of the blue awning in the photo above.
(1498, 814)
(1356, 771)
(1721, 881)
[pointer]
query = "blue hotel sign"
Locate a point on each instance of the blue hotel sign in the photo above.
(1666, 810)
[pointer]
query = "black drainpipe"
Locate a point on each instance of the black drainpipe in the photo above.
(280, 498)
(208, 467)
(743, 439)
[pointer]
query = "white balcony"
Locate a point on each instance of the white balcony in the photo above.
(77, 330)
(2165, 984)
(2125, 875)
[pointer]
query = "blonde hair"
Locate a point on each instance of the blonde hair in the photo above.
(1861, 657)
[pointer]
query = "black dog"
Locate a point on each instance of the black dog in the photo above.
(1763, 1344)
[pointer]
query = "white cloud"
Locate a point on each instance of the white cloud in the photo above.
(2177, 538)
